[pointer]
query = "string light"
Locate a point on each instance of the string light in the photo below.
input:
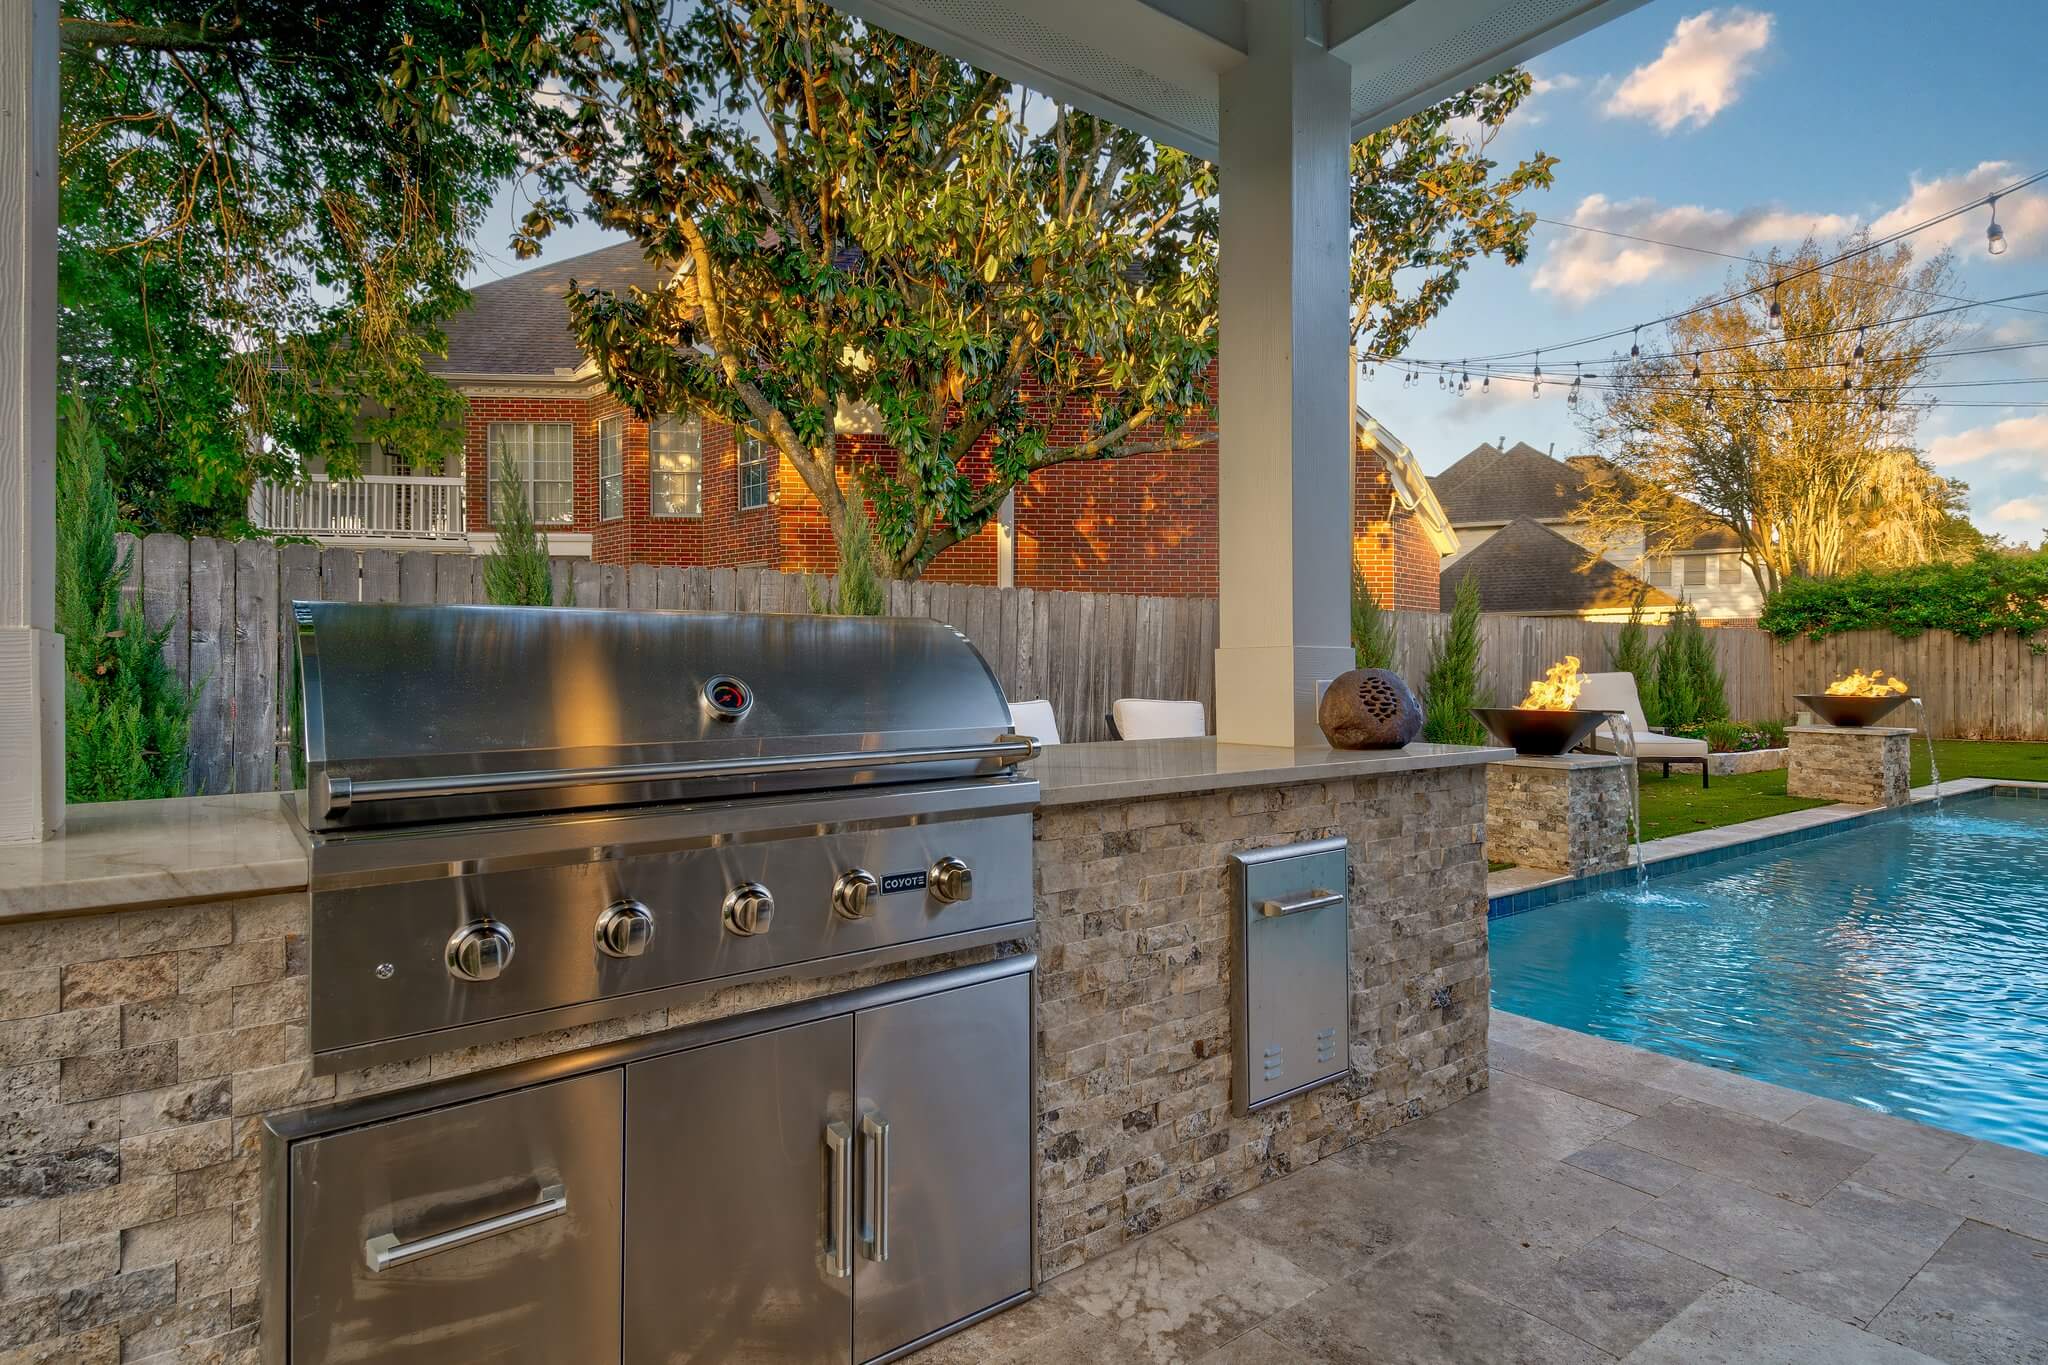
(1994, 236)
(1635, 349)
(1777, 313)
(1695, 364)
(1856, 356)
(1578, 381)
(1536, 381)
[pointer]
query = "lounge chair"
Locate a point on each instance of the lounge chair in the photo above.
(1144, 718)
(1035, 718)
(1617, 692)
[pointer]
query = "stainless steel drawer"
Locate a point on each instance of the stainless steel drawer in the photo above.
(486, 1231)
(1291, 991)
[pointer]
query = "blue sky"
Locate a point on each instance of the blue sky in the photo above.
(1739, 128)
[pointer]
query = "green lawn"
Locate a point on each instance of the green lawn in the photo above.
(1676, 805)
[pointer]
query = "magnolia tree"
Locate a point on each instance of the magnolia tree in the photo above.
(854, 223)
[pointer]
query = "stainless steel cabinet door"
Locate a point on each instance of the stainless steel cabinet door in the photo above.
(487, 1231)
(943, 1110)
(738, 1167)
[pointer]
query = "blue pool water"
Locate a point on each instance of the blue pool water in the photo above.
(1901, 965)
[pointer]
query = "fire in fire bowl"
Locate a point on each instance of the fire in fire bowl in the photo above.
(1539, 732)
(1849, 711)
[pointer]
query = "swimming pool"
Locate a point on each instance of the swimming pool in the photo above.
(1901, 964)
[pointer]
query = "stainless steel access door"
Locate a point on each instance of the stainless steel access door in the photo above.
(1291, 990)
(943, 1116)
(486, 1231)
(739, 1182)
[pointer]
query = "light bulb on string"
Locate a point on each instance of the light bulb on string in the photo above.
(1486, 383)
(1578, 381)
(1635, 350)
(1856, 356)
(1777, 313)
(1695, 364)
(1536, 381)
(1994, 236)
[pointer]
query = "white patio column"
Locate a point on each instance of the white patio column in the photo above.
(31, 652)
(1284, 476)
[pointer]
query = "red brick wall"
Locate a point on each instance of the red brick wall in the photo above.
(1146, 524)
(1388, 545)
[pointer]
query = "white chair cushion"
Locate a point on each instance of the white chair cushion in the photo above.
(1613, 692)
(1035, 718)
(1653, 746)
(1143, 718)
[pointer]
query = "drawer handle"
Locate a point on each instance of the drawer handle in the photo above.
(385, 1250)
(839, 1255)
(1313, 900)
(875, 1129)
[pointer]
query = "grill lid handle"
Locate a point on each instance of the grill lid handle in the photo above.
(340, 792)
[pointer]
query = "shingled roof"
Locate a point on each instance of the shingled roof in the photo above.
(1528, 568)
(520, 324)
(1493, 486)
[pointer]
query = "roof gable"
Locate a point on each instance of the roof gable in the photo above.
(520, 324)
(1527, 567)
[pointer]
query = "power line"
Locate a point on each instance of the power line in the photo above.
(1759, 260)
(1754, 290)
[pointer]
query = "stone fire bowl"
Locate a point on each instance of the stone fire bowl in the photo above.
(1539, 732)
(1849, 711)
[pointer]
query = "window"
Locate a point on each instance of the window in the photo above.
(611, 469)
(1659, 571)
(1728, 571)
(675, 466)
(1695, 571)
(753, 473)
(540, 454)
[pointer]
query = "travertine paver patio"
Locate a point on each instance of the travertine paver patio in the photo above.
(1598, 1202)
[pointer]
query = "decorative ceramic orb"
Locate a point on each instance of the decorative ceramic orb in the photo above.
(1369, 708)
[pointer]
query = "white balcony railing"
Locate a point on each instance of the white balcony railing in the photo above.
(393, 506)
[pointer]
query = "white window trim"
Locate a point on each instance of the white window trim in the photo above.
(611, 483)
(526, 456)
(740, 466)
(696, 425)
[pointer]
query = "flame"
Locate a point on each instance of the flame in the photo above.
(1871, 684)
(1556, 690)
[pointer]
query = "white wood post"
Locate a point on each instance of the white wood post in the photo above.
(1284, 476)
(31, 652)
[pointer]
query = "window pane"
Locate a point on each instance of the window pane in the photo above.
(674, 466)
(753, 473)
(611, 469)
(1695, 571)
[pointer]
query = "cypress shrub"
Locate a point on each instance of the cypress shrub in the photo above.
(1372, 634)
(1455, 683)
(1631, 654)
(516, 570)
(858, 588)
(126, 715)
(1688, 684)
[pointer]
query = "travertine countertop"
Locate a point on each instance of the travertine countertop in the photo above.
(124, 854)
(1076, 774)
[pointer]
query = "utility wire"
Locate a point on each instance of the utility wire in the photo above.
(1754, 290)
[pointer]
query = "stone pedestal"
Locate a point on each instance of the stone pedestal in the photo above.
(1868, 765)
(1565, 814)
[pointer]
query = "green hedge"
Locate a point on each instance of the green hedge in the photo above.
(1990, 593)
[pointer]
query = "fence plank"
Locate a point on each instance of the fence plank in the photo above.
(255, 673)
(213, 665)
(340, 576)
(166, 597)
(416, 576)
(380, 576)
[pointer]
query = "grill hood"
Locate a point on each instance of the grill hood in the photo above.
(426, 713)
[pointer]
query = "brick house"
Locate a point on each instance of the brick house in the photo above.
(690, 490)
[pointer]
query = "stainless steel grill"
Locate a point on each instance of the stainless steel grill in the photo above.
(521, 819)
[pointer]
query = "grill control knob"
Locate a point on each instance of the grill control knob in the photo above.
(625, 929)
(479, 951)
(749, 909)
(853, 895)
(952, 880)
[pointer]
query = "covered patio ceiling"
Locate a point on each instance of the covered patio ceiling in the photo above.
(1154, 65)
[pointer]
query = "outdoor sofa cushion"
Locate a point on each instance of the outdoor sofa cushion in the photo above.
(1617, 692)
(1035, 718)
(1144, 718)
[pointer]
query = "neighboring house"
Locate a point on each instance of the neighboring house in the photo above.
(1496, 486)
(689, 490)
(1528, 569)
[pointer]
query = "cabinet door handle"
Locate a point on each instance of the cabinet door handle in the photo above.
(839, 1207)
(385, 1250)
(1295, 905)
(875, 1130)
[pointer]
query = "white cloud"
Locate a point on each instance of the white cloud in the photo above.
(2026, 435)
(2031, 511)
(1579, 266)
(1543, 85)
(1695, 77)
(2024, 216)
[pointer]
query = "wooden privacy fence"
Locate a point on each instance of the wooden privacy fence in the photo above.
(230, 602)
(229, 605)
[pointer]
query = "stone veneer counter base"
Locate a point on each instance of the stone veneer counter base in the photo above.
(140, 1047)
